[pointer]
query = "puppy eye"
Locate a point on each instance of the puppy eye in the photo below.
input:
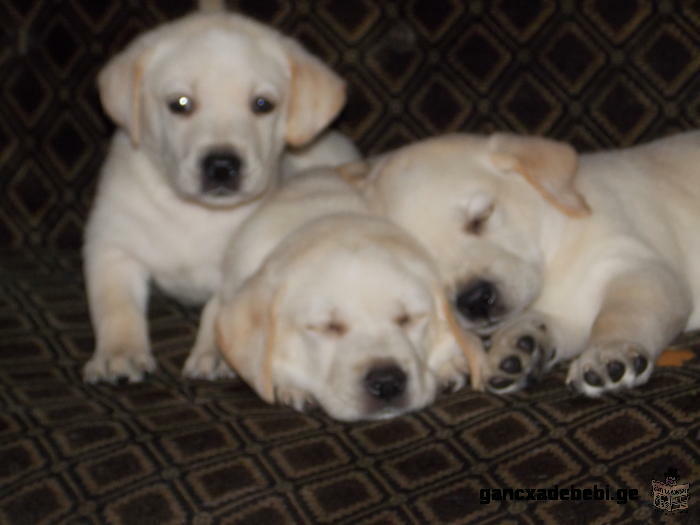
(181, 105)
(406, 320)
(477, 224)
(262, 105)
(403, 320)
(333, 328)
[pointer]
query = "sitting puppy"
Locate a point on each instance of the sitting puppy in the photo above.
(555, 255)
(324, 304)
(205, 106)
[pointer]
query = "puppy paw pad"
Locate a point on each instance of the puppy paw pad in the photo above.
(526, 343)
(592, 378)
(616, 369)
(520, 352)
(610, 367)
(639, 364)
(511, 365)
(499, 383)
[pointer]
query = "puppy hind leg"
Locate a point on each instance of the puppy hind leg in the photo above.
(205, 361)
(117, 289)
(642, 311)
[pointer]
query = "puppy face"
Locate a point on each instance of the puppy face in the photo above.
(346, 316)
(212, 100)
(474, 203)
(217, 123)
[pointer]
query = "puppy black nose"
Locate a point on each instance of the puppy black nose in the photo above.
(477, 300)
(385, 382)
(221, 172)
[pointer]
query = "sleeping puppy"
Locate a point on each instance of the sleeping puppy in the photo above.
(323, 304)
(554, 255)
(204, 106)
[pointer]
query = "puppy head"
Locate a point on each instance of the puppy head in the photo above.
(212, 99)
(343, 314)
(476, 204)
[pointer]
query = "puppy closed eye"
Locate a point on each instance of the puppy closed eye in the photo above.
(480, 211)
(406, 320)
(332, 328)
(181, 105)
(476, 225)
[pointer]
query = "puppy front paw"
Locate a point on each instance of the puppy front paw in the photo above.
(609, 367)
(115, 365)
(207, 365)
(452, 375)
(296, 398)
(518, 354)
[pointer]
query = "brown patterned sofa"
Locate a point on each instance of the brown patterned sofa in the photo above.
(596, 73)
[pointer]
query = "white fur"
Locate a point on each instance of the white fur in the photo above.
(152, 219)
(312, 255)
(613, 285)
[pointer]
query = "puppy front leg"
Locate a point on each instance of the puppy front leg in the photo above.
(205, 361)
(117, 288)
(641, 313)
(519, 352)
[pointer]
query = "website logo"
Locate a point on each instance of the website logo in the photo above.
(670, 495)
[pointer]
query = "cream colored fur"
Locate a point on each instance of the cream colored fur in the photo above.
(594, 257)
(317, 293)
(151, 219)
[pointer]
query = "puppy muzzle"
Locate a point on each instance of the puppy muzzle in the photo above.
(385, 383)
(221, 172)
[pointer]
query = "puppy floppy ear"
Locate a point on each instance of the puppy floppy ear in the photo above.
(447, 332)
(120, 86)
(317, 95)
(548, 165)
(246, 333)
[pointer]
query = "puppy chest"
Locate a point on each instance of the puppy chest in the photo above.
(184, 255)
(189, 283)
(190, 271)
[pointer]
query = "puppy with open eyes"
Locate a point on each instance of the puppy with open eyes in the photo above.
(551, 254)
(324, 304)
(205, 107)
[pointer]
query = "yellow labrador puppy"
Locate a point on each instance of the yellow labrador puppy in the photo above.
(325, 304)
(556, 255)
(204, 106)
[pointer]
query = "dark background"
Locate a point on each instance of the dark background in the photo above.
(599, 73)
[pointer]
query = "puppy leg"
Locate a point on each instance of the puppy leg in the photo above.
(117, 289)
(205, 361)
(450, 365)
(519, 353)
(641, 313)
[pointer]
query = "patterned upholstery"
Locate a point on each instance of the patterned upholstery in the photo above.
(597, 73)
